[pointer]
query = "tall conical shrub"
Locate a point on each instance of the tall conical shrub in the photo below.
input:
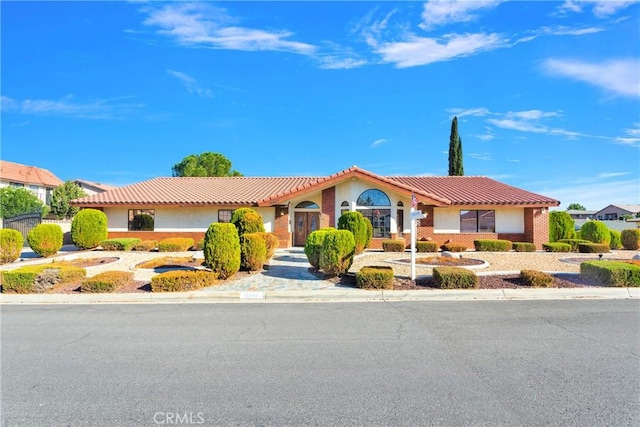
(246, 220)
(357, 224)
(561, 226)
(222, 249)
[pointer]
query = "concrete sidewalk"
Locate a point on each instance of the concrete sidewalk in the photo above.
(288, 279)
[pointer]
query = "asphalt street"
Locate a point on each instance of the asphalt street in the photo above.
(441, 363)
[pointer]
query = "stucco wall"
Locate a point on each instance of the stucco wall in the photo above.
(508, 220)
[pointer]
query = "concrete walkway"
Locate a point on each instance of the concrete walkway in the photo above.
(287, 279)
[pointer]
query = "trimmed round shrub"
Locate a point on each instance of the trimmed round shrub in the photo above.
(454, 278)
(426, 246)
(524, 247)
(11, 242)
(338, 250)
(596, 232)
(616, 239)
(120, 244)
(183, 280)
(246, 220)
(142, 222)
(574, 243)
(108, 281)
(146, 245)
(561, 226)
(556, 247)
(536, 279)
(393, 245)
(313, 246)
(271, 241)
(453, 247)
(356, 223)
(492, 245)
(222, 249)
(45, 239)
(175, 244)
(253, 251)
(375, 277)
(630, 239)
(89, 228)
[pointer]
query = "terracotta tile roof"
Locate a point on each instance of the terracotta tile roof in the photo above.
(195, 191)
(267, 191)
(24, 174)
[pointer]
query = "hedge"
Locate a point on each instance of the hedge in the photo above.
(39, 278)
(109, 281)
(391, 245)
(536, 279)
(11, 242)
(556, 247)
(375, 277)
(593, 248)
(612, 273)
(524, 247)
(175, 244)
(426, 246)
(453, 247)
(120, 244)
(454, 278)
(574, 243)
(492, 245)
(146, 245)
(630, 239)
(181, 280)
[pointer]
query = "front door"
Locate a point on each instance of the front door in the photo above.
(306, 222)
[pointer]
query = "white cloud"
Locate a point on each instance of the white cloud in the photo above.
(480, 156)
(378, 142)
(424, 50)
(442, 12)
(600, 8)
(67, 107)
(461, 112)
(200, 24)
(532, 114)
(191, 84)
(621, 77)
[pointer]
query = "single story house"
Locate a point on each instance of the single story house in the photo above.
(578, 214)
(617, 212)
(459, 209)
(37, 180)
(90, 188)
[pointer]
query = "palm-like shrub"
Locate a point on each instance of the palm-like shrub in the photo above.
(89, 228)
(11, 242)
(356, 223)
(45, 239)
(222, 249)
(596, 232)
(246, 220)
(338, 249)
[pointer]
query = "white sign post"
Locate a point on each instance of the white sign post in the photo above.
(415, 216)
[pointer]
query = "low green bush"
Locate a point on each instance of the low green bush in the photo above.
(536, 279)
(89, 228)
(45, 239)
(630, 239)
(313, 246)
(392, 245)
(109, 281)
(454, 278)
(199, 245)
(453, 247)
(556, 247)
(524, 247)
(253, 251)
(175, 244)
(616, 240)
(120, 244)
(271, 241)
(595, 231)
(375, 277)
(39, 278)
(181, 280)
(146, 246)
(492, 245)
(338, 250)
(593, 248)
(11, 242)
(426, 246)
(574, 243)
(612, 273)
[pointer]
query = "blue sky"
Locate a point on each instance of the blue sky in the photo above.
(547, 93)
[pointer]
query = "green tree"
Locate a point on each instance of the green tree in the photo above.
(18, 200)
(576, 207)
(204, 164)
(60, 199)
(561, 226)
(455, 150)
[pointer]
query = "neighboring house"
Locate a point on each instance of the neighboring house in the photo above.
(616, 212)
(91, 188)
(577, 214)
(459, 208)
(40, 181)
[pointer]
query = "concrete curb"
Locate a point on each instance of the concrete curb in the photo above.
(324, 296)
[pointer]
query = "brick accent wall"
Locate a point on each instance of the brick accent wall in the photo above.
(328, 217)
(281, 227)
(536, 226)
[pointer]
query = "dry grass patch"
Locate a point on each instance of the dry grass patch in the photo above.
(169, 261)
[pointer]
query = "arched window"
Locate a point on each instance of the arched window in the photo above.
(307, 205)
(373, 197)
(375, 205)
(400, 204)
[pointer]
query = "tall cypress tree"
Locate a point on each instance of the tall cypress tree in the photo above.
(455, 150)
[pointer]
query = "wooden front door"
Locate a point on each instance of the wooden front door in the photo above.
(306, 222)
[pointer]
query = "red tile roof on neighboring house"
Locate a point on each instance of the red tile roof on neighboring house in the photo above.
(24, 174)
(267, 191)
